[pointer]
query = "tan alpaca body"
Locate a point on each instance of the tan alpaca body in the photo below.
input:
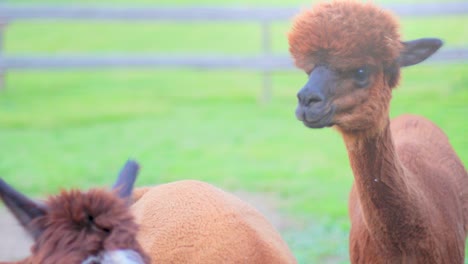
(194, 222)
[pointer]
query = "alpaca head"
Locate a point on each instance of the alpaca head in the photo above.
(352, 54)
(80, 227)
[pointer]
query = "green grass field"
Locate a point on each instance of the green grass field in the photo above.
(75, 128)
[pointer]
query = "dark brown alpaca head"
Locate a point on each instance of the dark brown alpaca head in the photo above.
(80, 227)
(352, 54)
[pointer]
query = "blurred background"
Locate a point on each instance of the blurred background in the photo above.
(232, 126)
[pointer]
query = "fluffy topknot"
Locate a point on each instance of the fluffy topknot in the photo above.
(344, 34)
(78, 224)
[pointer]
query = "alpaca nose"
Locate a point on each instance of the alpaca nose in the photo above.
(307, 97)
(315, 89)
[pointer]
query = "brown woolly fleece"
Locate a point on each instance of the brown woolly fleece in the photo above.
(80, 224)
(344, 36)
(195, 222)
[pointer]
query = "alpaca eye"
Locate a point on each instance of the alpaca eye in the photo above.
(361, 76)
(94, 226)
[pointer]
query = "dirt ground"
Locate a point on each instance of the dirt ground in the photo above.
(15, 243)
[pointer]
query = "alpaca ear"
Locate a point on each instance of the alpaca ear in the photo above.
(126, 179)
(416, 51)
(24, 209)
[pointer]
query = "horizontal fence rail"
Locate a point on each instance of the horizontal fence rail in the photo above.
(259, 63)
(12, 12)
(265, 62)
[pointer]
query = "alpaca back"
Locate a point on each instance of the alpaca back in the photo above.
(194, 222)
(438, 172)
(438, 181)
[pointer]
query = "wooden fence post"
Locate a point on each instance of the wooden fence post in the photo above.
(266, 52)
(2, 62)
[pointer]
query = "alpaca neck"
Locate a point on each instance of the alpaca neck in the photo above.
(381, 184)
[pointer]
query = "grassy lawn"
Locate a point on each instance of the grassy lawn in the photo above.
(62, 129)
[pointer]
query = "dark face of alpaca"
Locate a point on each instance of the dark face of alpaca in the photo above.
(81, 227)
(352, 55)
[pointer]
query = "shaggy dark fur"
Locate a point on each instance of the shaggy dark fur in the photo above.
(75, 226)
(343, 36)
(409, 200)
(80, 224)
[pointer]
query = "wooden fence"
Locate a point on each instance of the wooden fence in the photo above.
(265, 62)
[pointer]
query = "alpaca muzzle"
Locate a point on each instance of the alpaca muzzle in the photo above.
(313, 108)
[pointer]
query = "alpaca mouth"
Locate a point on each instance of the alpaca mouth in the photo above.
(315, 117)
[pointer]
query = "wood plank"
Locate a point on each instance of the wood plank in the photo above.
(207, 13)
(263, 63)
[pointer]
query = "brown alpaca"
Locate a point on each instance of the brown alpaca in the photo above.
(409, 200)
(194, 222)
(80, 227)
